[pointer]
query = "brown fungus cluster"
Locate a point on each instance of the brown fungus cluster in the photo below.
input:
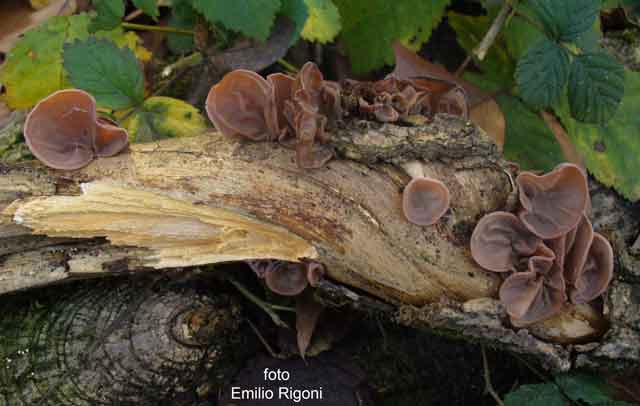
(287, 278)
(297, 111)
(64, 131)
(550, 249)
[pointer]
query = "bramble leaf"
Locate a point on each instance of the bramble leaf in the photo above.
(542, 73)
(324, 21)
(149, 7)
(565, 20)
(611, 151)
(298, 12)
(111, 74)
(254, 18)
(526, 132)
(164, 117)
(369, 28)
(33, 68)
(544, 394)
(596, 86)
(109, 14)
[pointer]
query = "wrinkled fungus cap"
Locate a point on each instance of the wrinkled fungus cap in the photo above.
(553, 203)
(424, 201)
(60, 129)
(577, 250)
(500, 240)
(595, 276)
(288, 279)
(534, 295)
(243, 104)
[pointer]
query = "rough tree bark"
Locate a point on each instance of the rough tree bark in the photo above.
(202, 200)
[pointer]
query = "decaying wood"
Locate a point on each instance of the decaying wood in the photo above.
(194, 201)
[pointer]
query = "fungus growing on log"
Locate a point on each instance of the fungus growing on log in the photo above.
(553, 203)
(281, 277)
(536, 294)
(500, 241)
(64, 132)
(424, 201)
(567, 261)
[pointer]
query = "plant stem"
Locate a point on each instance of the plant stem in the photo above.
(144, 27)
(260, 303)
(488, 387)
(288, 66)
(188, 61)
(481, 50)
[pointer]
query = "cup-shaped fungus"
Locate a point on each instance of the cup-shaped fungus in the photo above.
(594, 277)
(243, 104)
(536, 294)
(425, 200)
(500, 241)
(64, 132)
(553, 203)
(287, 279)
(578, 242)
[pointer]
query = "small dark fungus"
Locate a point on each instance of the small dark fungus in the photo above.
(287, 279)
(424, 201)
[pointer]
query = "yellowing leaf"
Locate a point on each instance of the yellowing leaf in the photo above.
(323, 23)
(164, 117)
(33, 69)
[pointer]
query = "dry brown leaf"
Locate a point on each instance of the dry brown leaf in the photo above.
(307, 313)
(488, 116)
(18, 17)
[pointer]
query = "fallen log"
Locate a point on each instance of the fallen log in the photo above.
(203, 200)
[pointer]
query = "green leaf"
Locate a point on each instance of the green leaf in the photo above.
(298, 12)
(324, 21)
(33, 68)
(611, 151)
(596, 86)
(111, 74)
(254, 18)
(542, 73)
(369, 28)
(519, 33)
(164, 117)
(526, 132)
(565, 20)
(583, 386)
(497, 68)
(546, 394)
(149, 7)
(183, 16)
(110, 13)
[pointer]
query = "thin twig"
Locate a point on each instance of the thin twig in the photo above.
(144, 27)
(260, 303)
(263, 340)
(288, 66)
(133, 15)
(531, 368)
(480, 51)
(489, 38)
(184, 62)
(488, 387)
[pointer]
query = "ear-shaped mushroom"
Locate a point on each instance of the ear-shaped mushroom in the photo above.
(282, 90)
(60, 129)
(287, 279)
(315, 273)
(553, 203)
(109, 138)
(243, 104)
(309, 127)
(595, 276)
(534, 295)
(578, 243)
(454, 102)
(425, 200)
(64, 133)
(500, 241)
